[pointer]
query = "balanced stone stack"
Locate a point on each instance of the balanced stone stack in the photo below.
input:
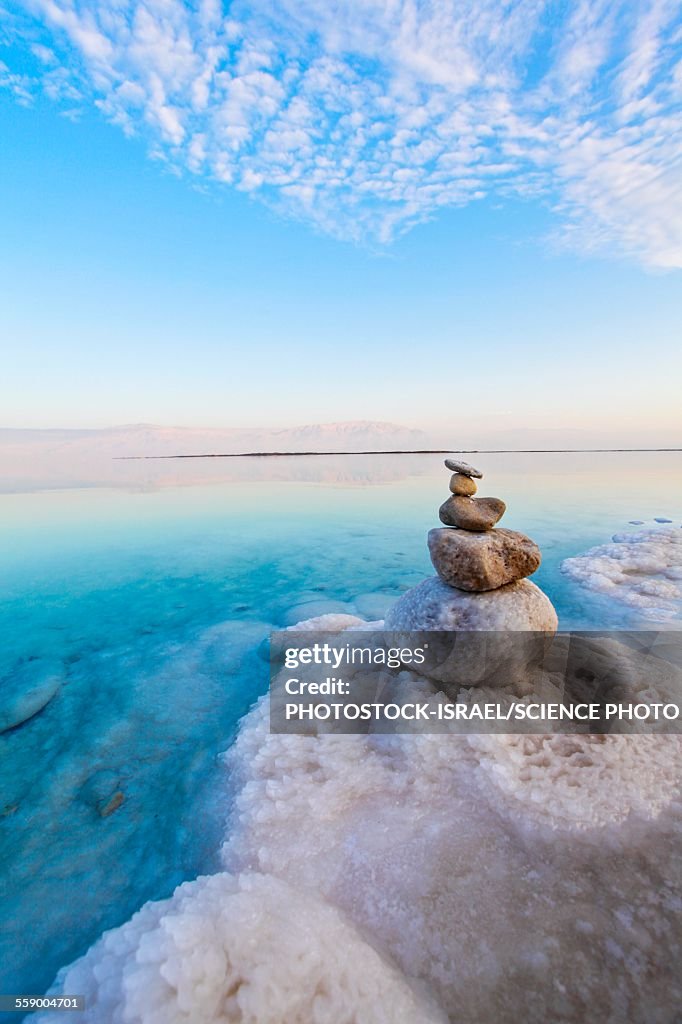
(471, 554)
(482, 569)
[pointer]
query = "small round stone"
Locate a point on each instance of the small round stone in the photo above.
(477, 514)
(459, 466)
(460, 484)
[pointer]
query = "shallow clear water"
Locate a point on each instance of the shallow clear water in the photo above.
(151, 597)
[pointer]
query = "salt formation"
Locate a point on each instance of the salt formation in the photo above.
(526, 878)
(640, 570)
(513, 878)
(482, 571)
(240, 950)
(585, 781)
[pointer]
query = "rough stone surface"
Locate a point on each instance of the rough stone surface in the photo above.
(460, 484)
(434, 605)
(482, 561)
(459, 466)
(501, 634)
(476, 514)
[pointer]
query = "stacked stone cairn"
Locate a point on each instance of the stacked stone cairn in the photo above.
(482, 570)
(470, 553)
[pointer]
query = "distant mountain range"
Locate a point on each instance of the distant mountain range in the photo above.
(34, 459)
(144, 439)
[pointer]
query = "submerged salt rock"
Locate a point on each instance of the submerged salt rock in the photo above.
(374, 606)
(29, 688)
(314, 609)
(482, 561)
(329, 623)
(460, 466)
(246, 949)
(476, 514)
(434, 605)
(460, 484)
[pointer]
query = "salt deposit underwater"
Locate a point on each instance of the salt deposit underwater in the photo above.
(417, 878)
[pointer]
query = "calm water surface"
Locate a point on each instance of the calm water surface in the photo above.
(151, 597)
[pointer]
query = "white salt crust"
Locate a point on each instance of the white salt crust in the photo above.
(641, 570)
(514, 878)
(334, 622)
(581, 781)
(240, 950)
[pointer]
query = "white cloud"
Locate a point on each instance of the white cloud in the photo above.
(368, 116)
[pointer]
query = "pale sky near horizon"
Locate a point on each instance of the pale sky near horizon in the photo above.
(276, 213)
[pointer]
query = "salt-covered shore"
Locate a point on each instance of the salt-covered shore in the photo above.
(404, 878)
(642, 570)
(379, 878)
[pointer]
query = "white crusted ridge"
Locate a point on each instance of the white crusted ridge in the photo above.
(640, 570)
(582, 781)
(240, 950)
(445, 851)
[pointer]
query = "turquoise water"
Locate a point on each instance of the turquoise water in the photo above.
(151, 598)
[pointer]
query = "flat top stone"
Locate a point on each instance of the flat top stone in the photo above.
(471, 513)
(458, 466)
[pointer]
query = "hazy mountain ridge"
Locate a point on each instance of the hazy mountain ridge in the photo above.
(151, 439)
(35, 459)
(148, 439)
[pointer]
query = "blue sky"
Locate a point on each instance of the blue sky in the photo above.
(290, 213)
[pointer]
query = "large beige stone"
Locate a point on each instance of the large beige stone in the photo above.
(434, 605)
(501, 635)
(482, 561)
(477, 514)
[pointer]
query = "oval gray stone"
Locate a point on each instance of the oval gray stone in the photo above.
(482, 561)
(459, 466)
(477, 514)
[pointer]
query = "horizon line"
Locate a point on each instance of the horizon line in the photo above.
(399, 451)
